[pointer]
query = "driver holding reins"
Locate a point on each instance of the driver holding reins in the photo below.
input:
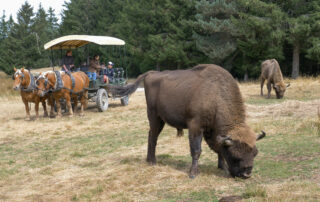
(67, 62)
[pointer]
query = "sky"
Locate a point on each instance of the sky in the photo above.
(12, 6)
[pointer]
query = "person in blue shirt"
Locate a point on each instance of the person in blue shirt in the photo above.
(110, 71)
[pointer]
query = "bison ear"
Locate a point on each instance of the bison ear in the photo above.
(288, 85)
(261, 135)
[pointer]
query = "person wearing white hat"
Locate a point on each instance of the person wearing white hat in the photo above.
(110, 71)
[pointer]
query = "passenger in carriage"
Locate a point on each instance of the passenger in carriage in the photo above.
(110, 72)
(94, 68)
(67, 62)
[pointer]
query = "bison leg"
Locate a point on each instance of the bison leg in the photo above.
(262, 84)
(156, 126)
(179, 132)
(221, 162)
(269, 88)
(195, 138)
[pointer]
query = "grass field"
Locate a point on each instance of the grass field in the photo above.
(101, 156)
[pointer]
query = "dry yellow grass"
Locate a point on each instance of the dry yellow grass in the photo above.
(101, 156)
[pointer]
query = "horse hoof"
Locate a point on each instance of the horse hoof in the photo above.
(27, 119)
(81, 114)
(59, 116)
(70, 116)
(45, 115)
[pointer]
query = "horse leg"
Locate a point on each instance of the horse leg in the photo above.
(36, 107)
(83, 103)
(58, 107)
(44, 105)
(51, 103)
(75, 104)
(27, 110)
(68, 101)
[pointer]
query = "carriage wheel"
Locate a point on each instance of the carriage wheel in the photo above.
(102, 100)
(125, 101)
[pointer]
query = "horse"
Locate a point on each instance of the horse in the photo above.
(25, 82)
(65, 85)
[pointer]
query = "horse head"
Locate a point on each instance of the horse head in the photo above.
(21, 78)
(45, 82)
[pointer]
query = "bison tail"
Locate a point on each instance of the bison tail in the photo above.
(121, 91)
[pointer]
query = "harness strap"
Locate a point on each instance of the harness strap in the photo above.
(32, 86)
(59, 81)
(72, 79)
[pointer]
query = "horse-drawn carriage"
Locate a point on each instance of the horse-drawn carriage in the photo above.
(98, 89)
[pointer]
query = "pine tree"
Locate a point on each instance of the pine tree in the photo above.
(214, 29)
(20, 45)
(158, 34)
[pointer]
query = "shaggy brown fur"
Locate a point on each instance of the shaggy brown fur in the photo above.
(80, 90)
(23, 82)
(270, 71)
(207, 101)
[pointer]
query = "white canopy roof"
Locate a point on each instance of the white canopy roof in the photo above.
(75, 41)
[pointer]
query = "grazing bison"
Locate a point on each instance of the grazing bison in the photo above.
(207, 101)
(270, 71)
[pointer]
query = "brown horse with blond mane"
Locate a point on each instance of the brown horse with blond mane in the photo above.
(24, 81)
(62, 86)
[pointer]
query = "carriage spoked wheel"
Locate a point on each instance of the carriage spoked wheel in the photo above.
(125, 101)
(102, 100)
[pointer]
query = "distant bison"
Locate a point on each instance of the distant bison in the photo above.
(270, 71)
(207, 101)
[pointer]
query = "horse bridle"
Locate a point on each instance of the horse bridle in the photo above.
(46, 82)
(18, 73)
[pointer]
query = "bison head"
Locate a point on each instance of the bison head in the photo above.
(280, 88)
(239, 156)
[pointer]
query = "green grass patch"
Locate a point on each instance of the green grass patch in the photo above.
(207, 195)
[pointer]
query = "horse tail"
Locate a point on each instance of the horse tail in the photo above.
(126, 90)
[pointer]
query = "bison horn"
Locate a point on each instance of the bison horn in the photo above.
(225, 140)
(288, 85)
(261, 135)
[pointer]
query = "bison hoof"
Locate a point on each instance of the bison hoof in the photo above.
(151, 161)
(193, 173)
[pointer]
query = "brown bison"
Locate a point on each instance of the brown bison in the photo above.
(207, 101)
(270, 71)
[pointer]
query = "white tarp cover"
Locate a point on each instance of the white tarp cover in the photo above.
(75, 41)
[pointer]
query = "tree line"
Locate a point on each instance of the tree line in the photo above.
(174, 34)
